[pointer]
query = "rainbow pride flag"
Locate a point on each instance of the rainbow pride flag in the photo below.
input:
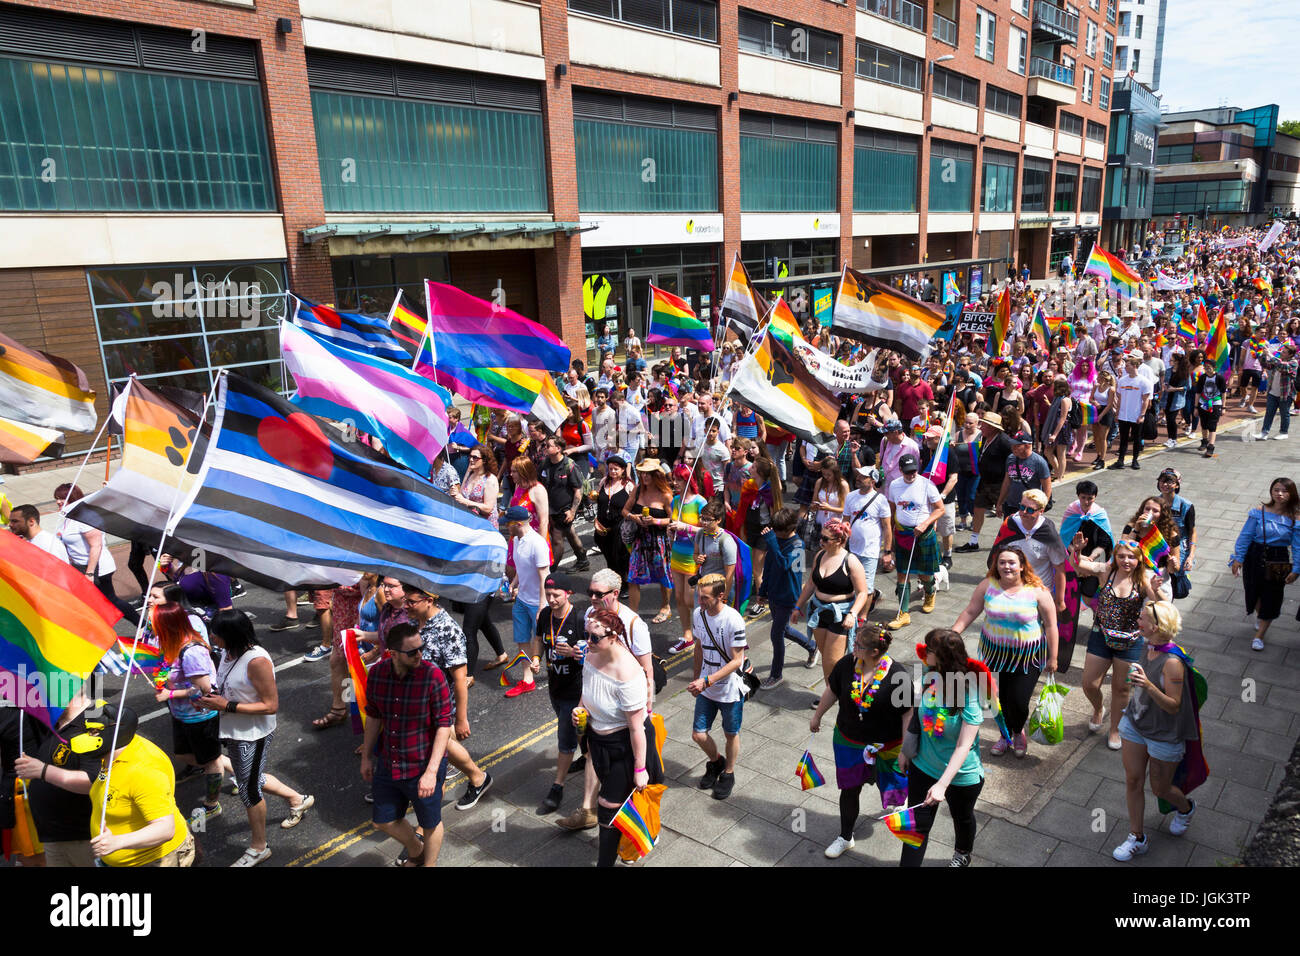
(1187, 325)
(358, 673)
(54, 628)
(1217, 347)
(1001, 324)
(504, 679)
(1090, 414)
(806, 770)
(1039, 329)
(149, 662)
(902, 824)
(1064, 327)
(1202, 318)
(1119, 276)
(633, 821)
(1154, 547)
(673, 323)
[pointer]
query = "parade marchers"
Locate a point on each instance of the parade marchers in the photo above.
(679, 467)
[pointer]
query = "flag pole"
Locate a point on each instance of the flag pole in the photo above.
(139, 628)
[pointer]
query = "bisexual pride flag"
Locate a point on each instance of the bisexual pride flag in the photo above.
(361, 333)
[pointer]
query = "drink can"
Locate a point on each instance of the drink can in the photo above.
(1133, 669)
(581, 714)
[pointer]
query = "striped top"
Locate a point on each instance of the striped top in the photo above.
(1012, 637)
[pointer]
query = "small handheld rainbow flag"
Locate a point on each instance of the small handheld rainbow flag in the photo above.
(1001, 324)
(1064, 327)
(1186, 325)
(357, 672)
(1089, 411)
(1154, 547)
(149, 662)
(631, 820)
(1202, 318)
(504, 679)
(902, 824)
(1038, 328)
(806, 770)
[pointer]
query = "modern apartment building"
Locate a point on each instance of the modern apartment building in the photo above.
(173, 166)
(1225, 166)
(1141, 41)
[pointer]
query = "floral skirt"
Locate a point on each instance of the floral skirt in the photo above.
(650, 560)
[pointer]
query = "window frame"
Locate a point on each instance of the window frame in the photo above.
(985, 18)
(668, 7)
(903, 61)
(947, 76)
(773, 50)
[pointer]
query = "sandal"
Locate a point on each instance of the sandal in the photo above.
(664, 615)
(408, 862)
(296, 813)
(499, 662)
(253, 857)
(335, 717)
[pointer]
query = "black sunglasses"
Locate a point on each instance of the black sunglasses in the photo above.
(415, 652)
(598, 594)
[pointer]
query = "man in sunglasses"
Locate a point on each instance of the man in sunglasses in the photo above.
(404, 756)
(603, 592)
(1026, 469)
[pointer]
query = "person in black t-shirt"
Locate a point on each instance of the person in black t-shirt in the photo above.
(564, 643)
(58, 786)
(559, 476)
(874, 692)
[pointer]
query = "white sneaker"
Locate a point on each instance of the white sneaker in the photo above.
(1262, 436)
(1181, 821)
(1281, 437)
(1130, 848)
(838, 848)
(1257, 644)
(1171, 443)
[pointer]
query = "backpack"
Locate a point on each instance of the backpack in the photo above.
(1075, 418)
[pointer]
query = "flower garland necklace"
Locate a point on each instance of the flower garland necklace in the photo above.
(863, 691)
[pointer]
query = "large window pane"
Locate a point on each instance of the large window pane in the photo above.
(89, 139)
(389, 155)
(613, 174)
(783, 175)
(884, 181)
(998, 189)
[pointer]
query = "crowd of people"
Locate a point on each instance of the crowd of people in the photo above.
(684, 489)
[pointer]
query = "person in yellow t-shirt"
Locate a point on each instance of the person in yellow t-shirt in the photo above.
(143, 825)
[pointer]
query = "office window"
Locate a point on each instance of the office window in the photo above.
(1108, 52)
(1067, 181)
(954, 86)
(1137, 60)
(1178, 153)
(763, 34)
(1121, 60)
(1124, 19)
(787, 164)
(952, 173)
(1110, 11)
(1090, 195)
(1017, 50)
(888, 66)
(1035, 181)
(1096, 132)
(910, 15)
(1103, 97)
(986, 25)
(1087, 84)
(1071, 124)
(1137, 27)
(885, 171)
(998, 188)
(697, 19)
(1000, 101)
(1091, 44)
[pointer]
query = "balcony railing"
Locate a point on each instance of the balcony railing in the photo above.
(1056, 22)
(1048, 70)
(910, 15)
(944, 30)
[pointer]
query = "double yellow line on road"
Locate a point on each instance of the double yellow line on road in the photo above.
(351, 837)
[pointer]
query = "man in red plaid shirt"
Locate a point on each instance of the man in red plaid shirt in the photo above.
(408, 706)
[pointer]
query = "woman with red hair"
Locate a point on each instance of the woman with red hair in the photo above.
(195, 732)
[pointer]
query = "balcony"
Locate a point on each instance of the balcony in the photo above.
(903, 12)
(1051, 81)
(1053, 24)
(944, 30)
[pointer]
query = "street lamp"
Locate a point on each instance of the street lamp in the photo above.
(942, 59)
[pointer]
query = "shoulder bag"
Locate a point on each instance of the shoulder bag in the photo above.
(746, 670)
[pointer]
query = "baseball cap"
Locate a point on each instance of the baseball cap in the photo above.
(893, 425)
(516, 513)
(934, 431)
(908, 463)
(1022, 438)
(560, 582)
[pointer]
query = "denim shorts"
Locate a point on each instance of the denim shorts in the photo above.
(706, 710)
(1097, 647)
(869, 571)
(1168, 753)
(524, 617)
(394, 797)
(565, 730)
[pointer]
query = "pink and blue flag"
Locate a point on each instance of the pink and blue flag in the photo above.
(469, 333)
(402, 408)
(351, 330)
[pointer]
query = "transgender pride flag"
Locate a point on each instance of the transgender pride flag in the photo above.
(402, 408)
